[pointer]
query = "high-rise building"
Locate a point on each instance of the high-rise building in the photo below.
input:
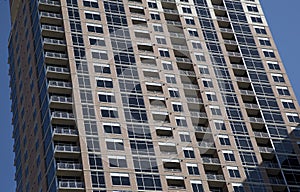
(150, 95)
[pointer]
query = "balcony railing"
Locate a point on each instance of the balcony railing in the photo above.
(182, 59)
(226, 30)
(180, 47)
(53, 28)
(222, 18)
(231, 42)
(211, 160)
(173, 22)
(215, 177)
(58, 69)
(65, 131)
(256, 120)
(189, 73)
(71, 184)
(218, 7)
(243, 79)
(71, 166)
(261, 134)
(251, 105)
(62, 115)
(173, 11)
(202, 129)
(190, 86)
(198, 114)
(235, 54)
(56, 55)
(246, 92)
(60, 84)
(54, 41)
(237, 66)
(52, 15)
(50, 2)
(67, 148)
(178, 35)
(193, 100)
(266, 149)
(206, 144)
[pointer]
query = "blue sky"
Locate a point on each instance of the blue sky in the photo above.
(280, 17)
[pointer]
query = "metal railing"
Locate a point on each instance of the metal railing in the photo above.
(72, 166)
(58, 69)
(63, 115)
(60, 84)
(54, 41)
(65, 131)
(53, 28)
(67, 148)
(71, 184)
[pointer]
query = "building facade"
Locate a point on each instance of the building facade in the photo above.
(156, 95)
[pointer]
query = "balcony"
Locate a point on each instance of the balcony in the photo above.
(181, 47)
(190, 86)
(62, 87)
(51, 18)
(187, 73)
(206, 144)
(238, 66)
(58, 72)
(49, 5)
(246, 92)
(69, 166)
(52, 31)
(243, 79)
(49, 2)
(54, 44)
(198, 114)
(218, 7)
(194, 100)
(226, 30)
(176, 23)
(71, 185)
(251, 106)
(56, 58)
(202, 129)
(60, 102)
(256, 120)
(177, 35)
(65, 134)
(208, 160)
(265, 149)
(67, 148)
(170, 11)
(261, 134)
(224, 19)
(234, 54)
(60, 117)
(183, 60)
(215, 177)
(168, 1)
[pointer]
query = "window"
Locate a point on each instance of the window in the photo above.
(283, 91)
(173, 92)
(207, 83)
(135, 115)
(238, 127)
(106, 97)
(141, 147)
(109, 112)
(186, 10)
(94, 28)
(177, 107)
(293, 117)
(193, 32)
(192, 169)
(238, 187)
(77, 39)
(170, 78)
(277, 77)
(273, 65)
(138, 131)
(90, 128)
(188, 152)
(228, 155)
(215, 110)
(203, 69)
(224, 139)
(120, 179)
(102, 68)
(113, 128)
(90, 3)
(196, 44)
(185, 136)
(243, 142)
(133, 100)
(219, 125)
(200, 57)
(264, 41)
(158, 28)
(180, 121)
(96, 41)
(145, 164)
(211, 96)
(117, 161)
(155, 16)
(93, 144)
(114, 144)
(260, 30)
(97, 54)
(248, 158)
(104, 82)
(167, 65)
(288, 104)
(256, 19)
(152, 5)
(92, 15)
(95, 161)
(148, 182)
(233, 172)
(268, 53)
(97, 179)
(234, 113)
(161, 40)
(252, 8)
(189, 20)
(197, 186)
(164, 52)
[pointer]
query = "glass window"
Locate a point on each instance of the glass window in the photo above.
(120, 179)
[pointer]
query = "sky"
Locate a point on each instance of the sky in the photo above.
(280, 16)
